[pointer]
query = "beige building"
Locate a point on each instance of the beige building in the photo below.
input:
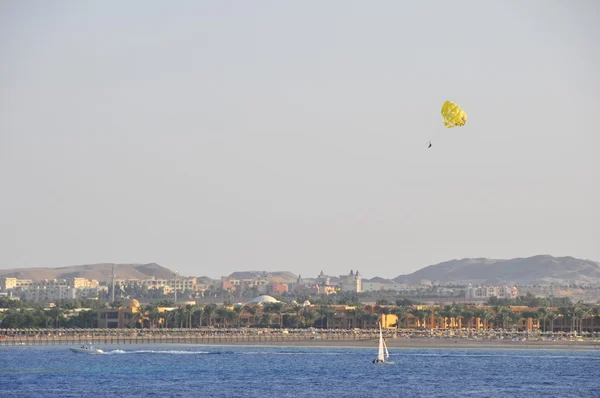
(8, 283)
(49, 290)
(180, 283)
(485, 292)
(81, 283)
(118, 318)
(351, 282)
(49, 293)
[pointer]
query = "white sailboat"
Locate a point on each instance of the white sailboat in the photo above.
(382, 352)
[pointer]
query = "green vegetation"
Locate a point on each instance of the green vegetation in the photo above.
(529, 300)
(343, 312)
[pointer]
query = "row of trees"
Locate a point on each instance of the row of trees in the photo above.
(296, 316)
(55, 317)
(500, 316)
(572, 317)
(530, 300)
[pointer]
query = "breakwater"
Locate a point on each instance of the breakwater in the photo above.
(296, 337)
(10, 337)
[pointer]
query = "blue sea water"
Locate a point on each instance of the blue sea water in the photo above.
(211, 371)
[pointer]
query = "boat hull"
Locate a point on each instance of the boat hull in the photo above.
(86, 351)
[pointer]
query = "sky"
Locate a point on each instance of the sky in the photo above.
(213, 137)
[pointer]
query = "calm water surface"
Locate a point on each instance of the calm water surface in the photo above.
(209, 371)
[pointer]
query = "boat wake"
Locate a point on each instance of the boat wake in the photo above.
(290, 353)
(164, 352)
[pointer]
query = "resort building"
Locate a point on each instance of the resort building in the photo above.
(54, 293)
(182, 284)
(311, 286)
(118, 318)
(351, 282)
(242, 285)
(48, 290)
(485, 292)
(277, 288)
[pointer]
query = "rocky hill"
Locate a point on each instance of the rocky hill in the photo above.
(100, 272)
(536, 270)
(278, 276)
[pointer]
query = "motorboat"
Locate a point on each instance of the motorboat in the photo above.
(87, 349)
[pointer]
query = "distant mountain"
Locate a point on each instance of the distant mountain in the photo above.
(536, 270)
(278, 276)
(100, 272)
(379, 279)
(206, 280)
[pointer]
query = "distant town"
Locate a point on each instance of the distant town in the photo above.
(233, 289)
(283, 300)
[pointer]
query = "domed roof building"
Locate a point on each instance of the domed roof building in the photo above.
(260, 300)
(133, 303)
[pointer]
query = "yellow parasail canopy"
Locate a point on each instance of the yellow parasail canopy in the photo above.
(453, 115)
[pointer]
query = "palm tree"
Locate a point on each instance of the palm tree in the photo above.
(468, 314)
(309, 318)
(421, 316)
(512, 317)
(365, 318)
(326, 312)
(543, 315)
(266, 319)
(238, 310)
(580, 314)
(278, 308)
(384, 311)
(527, 315)
(567, 315)
(198, 315)
(456, 312)
(170, 318)
(231, 316)
(485, 316)
(221, 312)
(552, 317)
(154, 315)
(253, 311)
(400, 313)
(269, 310)
(297, 309)
(181, 316)
(189, 310)
(444, 314)
(595, 314)
(209, 311)
(350, 317)
(140, 317)
(56, 313)
(499, 315)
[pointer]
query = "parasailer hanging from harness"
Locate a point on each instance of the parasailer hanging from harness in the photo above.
(453, 116)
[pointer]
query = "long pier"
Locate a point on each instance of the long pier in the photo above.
(14, 337)
(292, 337)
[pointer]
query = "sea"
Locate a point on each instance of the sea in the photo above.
(225, 371)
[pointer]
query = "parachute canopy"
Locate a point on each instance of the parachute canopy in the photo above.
(453, 115)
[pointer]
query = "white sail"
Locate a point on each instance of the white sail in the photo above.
(380, 352)
(387, 353)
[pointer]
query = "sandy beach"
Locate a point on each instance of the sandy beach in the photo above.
(427, 344)
(393, 344)
(401, 339)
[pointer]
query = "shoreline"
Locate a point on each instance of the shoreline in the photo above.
(421, 345)
(393, 344)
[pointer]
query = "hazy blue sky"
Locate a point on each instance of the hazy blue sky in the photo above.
(218, 136)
